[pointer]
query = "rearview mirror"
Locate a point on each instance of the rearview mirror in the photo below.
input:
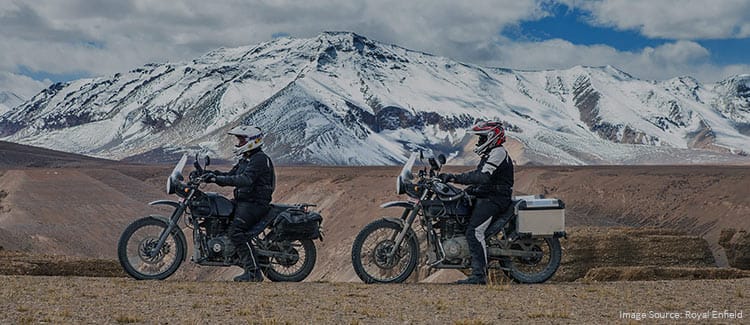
(433, 164)
(441, 159)
(197, 164)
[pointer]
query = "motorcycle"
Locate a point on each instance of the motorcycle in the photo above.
(153, 247)
(526, 249)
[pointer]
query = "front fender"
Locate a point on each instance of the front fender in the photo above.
(397, 221)
(163, 219)
(173, 204)
(408, 207)
(402, 224)
(398, 204)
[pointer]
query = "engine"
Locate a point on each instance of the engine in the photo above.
(456, 248)
(216, 243)
(220, 248)
(453, 239)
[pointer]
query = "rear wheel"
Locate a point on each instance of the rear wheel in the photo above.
(292, 261)
(137, 254)
(536, 269)
(371, 248)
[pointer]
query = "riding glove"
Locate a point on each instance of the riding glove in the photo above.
(446, 177)
(209, 177)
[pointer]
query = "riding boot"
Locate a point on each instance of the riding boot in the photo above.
(478, 271)
(248, 261)
(478, 262)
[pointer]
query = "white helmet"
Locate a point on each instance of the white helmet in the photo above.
(248, 138)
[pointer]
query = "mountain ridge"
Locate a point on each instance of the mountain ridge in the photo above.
(9, 100)
(342, 99)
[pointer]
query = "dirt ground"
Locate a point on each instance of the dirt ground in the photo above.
(22, 263)
(26, 300)
(75, 209)
(81, 211)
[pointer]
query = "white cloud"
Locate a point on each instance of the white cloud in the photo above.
(22, 86)
(670, 60)
(104, 37)
(107, 37)
(672, 19)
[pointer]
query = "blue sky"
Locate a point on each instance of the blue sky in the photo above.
(46, 41)
(572, 24)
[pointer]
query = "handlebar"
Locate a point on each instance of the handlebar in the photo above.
(196, 177)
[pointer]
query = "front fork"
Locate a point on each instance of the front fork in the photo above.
(406, 226)
(173, 219)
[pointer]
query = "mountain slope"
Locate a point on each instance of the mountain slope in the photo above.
(8, 100)
(13, 155)
(340, 98)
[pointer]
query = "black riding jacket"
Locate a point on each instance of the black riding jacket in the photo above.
(493, 178)
(253, 177)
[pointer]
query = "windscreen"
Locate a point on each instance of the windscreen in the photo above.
(176, 175)
(406, 175)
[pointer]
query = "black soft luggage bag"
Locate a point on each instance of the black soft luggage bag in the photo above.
(297, 224)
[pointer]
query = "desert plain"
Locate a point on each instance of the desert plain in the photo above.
(646, 244)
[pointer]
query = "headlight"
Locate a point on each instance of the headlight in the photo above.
(170, 186)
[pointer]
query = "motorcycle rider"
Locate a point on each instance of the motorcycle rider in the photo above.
(492, 183)
(254, 180)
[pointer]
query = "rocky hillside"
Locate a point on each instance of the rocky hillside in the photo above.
(342, 99)
(8, 100)
(82, 211)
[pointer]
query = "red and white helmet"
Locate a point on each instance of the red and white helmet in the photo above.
(491, 134)
(248, 138)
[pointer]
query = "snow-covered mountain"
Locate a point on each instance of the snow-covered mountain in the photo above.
(8, 100)
(340, 98)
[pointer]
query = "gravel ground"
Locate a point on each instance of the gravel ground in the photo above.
(43, 299)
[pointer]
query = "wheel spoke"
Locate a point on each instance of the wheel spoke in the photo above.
(140, 252)
(538, 268)
(375, 259)
(292, 261)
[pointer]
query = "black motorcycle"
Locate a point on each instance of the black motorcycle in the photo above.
(154, 247)
(527, 248)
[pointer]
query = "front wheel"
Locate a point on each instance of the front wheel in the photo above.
(292, 260)
(534, 269)
(137, 254)
(371, 248)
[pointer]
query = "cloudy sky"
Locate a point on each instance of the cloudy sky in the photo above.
(44, 41)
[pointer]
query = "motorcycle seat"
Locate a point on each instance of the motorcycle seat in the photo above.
(277, 208)
(511, 209)
(507, 215)
(282, 206)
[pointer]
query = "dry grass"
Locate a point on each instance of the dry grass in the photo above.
(652, 273)
(21, 263)
(498, 281)
(471, 322)
(127, 319)
(122, 301)
(27, 320)
(266, 321)
(549, 314)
